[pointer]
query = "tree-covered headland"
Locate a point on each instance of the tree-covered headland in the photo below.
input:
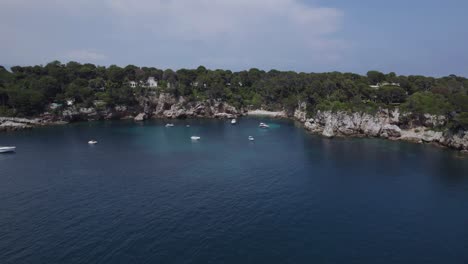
(29, 91)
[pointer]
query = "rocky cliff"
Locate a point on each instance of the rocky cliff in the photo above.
(166, 106)
(161, 106)
(12, 123)
(385, 124)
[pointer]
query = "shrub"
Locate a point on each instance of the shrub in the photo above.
(426, 102)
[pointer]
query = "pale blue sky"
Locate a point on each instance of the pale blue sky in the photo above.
(409, 37)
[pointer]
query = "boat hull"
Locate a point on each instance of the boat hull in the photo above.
(7, 149)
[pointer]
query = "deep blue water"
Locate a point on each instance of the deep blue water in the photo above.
(148, 194)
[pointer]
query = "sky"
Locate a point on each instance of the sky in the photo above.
(425, 37)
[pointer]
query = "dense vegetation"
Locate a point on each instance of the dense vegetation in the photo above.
(27, 91)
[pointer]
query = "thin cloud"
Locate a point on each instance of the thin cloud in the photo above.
(173, 33)
(263, 31)
(84, 56)
(203, 18)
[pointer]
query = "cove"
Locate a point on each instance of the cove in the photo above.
(146, 193)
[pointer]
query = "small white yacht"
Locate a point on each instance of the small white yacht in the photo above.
(7, 149)
(169, 125)
(187, 125)
(251, 138)
(263, 125)
(233, 121)
(195, 138)
(92, 142)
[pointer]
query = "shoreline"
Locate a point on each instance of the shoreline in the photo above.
(260, 112)
(324, 126)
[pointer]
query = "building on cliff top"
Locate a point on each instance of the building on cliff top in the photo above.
(151, 82)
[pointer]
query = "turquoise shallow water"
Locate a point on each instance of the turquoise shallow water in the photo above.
(148, 194)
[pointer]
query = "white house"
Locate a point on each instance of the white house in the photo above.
(151, 82)
(132, 84)
(70, 102)
(376, 86)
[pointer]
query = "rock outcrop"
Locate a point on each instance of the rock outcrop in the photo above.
(154, 106)
(13, 123)
(141, 117)
(385, 124)
(389, 130)
(167, 106)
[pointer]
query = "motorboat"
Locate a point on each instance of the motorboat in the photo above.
(187, 125)
(233, 121)
(263, 125)
(92, 142)
(7, 149)
(251, 138)
(169, 125)
(195, 138)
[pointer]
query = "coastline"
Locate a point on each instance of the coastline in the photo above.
(385, 124)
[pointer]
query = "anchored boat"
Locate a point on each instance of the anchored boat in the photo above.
(7, 149)
(263, 125)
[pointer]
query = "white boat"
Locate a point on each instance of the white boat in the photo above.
(263, 125)
(195, 138)
(7, 149)
(251, 138)
(92, 142)
(233, 121)
(169, 125)
(187, 125)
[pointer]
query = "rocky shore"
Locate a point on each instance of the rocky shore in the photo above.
(162, 106)
(384, 124)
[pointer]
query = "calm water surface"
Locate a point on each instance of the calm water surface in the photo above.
(148, 194)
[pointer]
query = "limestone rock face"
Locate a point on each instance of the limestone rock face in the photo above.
(75, 114)
(13, 126)
(300, 113)
(140, 117)
(164, 102)
(328, 131)
(168, 106)
(371, 125)
(14, 123)
(312, 126)
(457, 141)
(434, 120)
(392, 131)
(71, 114)
(385, 124)
(432, 136)
(394, 116)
